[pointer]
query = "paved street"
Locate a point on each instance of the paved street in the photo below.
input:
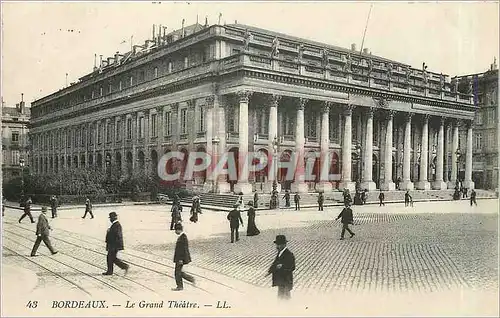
(433, 258)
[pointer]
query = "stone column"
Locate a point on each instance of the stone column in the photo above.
(439, 184)
(325, 160)
(388, 184)
(346, 182)
(468, 183)
(447, 145)
(273, 132)
(454, 147)
(406, 183)
(243, 185)
(222, 185)
(209, 181)
(299, 185)
(367, 182)
(423, 183)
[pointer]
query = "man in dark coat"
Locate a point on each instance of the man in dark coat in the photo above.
(347, 218)
(181, 257)
(282, 268)
(381, 198)
(473, 197)
(296, 199)
(347, 197)
(255, 199)
(42, 233)
(176, 216)
(27, 211)
(88, 209)
(408, 198)
(321, 200)
(114, 243)
(53, 205)
(287, 198)
(234, 218)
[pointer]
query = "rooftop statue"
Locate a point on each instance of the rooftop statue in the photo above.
(348, 64)
(275, 47)
(325, 57)
(246, 40)
(300, 51)
(389, 71)
(408, 72)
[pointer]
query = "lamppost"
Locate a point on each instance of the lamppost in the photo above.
(458, 161)
(275, 161)
(215, 142)
(21, 164)
(358, 152)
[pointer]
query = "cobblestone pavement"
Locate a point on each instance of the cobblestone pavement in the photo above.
(443, 248)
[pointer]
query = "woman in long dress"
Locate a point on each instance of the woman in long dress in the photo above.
(251, 228)
(194, 210)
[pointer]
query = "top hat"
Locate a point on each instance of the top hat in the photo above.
(280, 239)
(113, 215)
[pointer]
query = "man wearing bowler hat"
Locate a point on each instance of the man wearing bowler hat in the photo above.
(114, 243)
(282, 268)
(42, 233)
(346, 219)
(181, 257)
(234, 218)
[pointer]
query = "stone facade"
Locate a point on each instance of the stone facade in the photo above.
(239, 89)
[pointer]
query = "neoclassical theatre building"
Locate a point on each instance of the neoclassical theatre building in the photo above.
(237, 88)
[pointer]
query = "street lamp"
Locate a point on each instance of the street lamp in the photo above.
(275, 160)
(458, 160)
(358, 152)
(215, 142)
(21, 164)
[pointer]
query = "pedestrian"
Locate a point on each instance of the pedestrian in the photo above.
(53, 206)
(176, 202)
(465, 190)
(176, 217)
(194, 210)
(296, 199)
(27, 211)
(252, 229)
(363, 196)
(42, 233)
(473, 197)
(282, 268)
(398, 182)
(347, 197)
(408, 198)
(381, 198)
(114, 244)
(234, 218)
(256, 200)
(181, 258)
(321, 200)
(88, 208)
(287, 198)
(346, 219)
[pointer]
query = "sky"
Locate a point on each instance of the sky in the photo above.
(38, 50)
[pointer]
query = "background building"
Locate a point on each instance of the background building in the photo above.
(15, 143)
(237, 88)
(485, 157)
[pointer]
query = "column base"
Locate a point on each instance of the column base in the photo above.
(349, 185)
(300, 187)
(452, 184)
(223, 187)
(368, 185)
(268, 187)
(423, 185)
(388, 186)
(406, 185)
(324, 187)
(243, 187)
(439, 185)
(469, 184)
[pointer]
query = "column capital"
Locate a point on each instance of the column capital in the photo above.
(174, 107)
(191, 104)
(408, 116)
(369, 111)
(468, 123)
(348, 109)
(325, 107)
(301, 103)
(426, 117)
(274, 100)
(159, 109)
(381, 101)
(210, 101)
(244, 96)
(441, 120)
(390, 114)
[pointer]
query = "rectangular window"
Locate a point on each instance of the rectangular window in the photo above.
(15, 137)
(129, 128)
(156, 72)
(170, 67)
(131, 80)
(109, 88)
(15, 157)
(201, 122)
(154, 132)
(93, 93)
(311, 126)
(186, 62)
(120, 85)
(100, 91)
(118, 130)
(168, 123)
(184, 121)
(83, 137)
(141, 76)
(99, 133)
(479, 119)
(141, 127)
(334, 128)
(109, 131)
